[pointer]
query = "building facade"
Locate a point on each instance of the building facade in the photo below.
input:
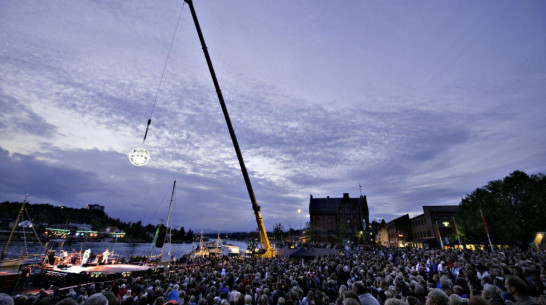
(435, 228)
(423, 234)
(96, 207)
(335, 218)
(382, 236)
(399, 231)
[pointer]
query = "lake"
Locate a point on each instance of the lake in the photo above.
(17, 248)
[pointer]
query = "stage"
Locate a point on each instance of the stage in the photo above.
(73, 275)
(105, 269)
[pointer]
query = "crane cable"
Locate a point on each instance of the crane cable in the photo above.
(163, 74)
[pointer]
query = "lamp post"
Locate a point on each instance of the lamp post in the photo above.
(360, 236)
(300, 211)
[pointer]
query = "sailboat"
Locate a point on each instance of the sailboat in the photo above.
(161, 233)
(12, 264)
(201, 249)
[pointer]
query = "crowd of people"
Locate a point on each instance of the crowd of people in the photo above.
(357, 276)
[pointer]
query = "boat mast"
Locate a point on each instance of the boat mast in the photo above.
(270, 251)
(168, 216)
(218, 242)
(13, 229)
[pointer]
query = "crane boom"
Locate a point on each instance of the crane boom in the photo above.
(264, 241)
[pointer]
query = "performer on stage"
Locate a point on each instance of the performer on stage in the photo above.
(105, 255)
(86, 256)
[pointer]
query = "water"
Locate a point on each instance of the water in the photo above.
(17, 248)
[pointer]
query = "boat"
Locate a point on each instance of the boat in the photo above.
(161, 235)
(13, 264)
(201, 250)
(215, 248)
(231, 250)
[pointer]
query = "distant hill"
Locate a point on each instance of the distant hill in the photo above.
(43, 215)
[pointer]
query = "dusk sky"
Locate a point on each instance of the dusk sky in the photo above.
(420, 102)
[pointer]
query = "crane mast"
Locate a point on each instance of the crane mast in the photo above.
(264, 241)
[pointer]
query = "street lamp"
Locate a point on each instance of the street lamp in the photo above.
(300, 211)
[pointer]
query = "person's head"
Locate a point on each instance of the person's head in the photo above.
(80, 299)
(248, 299)
(264, 300)
(437, 297)
(477, 300)
(30, 300)
(351, 301)
(96, 299)
(393, 301)
(240, 299)
(6, 299)
(515, 285)
(341, 289)
(127, 301)
(350, 294)
(359, 288)
(490, 292)
(446, 283)
(159, 301)
(67, 301)
(454, 299)
(143, 300)
(20, 299)
(111, 297)
(411, 300)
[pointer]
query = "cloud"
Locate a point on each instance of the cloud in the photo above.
(16, 117)
(44, 180)
(420, 110)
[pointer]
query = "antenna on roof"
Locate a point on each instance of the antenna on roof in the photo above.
(360, 187)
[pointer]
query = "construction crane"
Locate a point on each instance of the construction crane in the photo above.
(267, 249)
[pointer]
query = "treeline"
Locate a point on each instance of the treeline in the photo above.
(514, 209)
(43, 215)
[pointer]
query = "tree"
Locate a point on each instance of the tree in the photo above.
(342, 231)
(189, 236)
(513, 208)
(181, 234)
(278, 231)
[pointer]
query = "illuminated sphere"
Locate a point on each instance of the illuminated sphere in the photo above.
(139, 156)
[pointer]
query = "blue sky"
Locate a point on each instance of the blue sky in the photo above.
(420, 102)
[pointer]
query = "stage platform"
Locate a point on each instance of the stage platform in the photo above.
(62, 277)
(105, 269)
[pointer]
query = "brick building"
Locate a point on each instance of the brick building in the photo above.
(399, 231)
(434, 227)
(330, 215)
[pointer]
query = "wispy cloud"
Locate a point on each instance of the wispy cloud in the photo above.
(419, 108)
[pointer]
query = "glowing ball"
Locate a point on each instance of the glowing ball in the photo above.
(139, 156)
